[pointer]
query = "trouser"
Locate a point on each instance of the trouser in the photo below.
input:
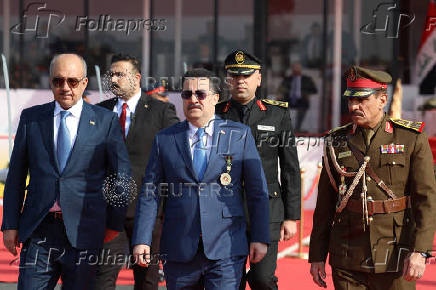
(146, 278)
(48, 255)
(355, 280)
(202, 273)
(262, 275)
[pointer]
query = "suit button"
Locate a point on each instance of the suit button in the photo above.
(368, 178)
(370, 219)
(275, 193)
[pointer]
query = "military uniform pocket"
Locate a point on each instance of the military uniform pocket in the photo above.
(395, 164)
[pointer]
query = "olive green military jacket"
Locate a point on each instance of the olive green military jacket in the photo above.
(382, 245)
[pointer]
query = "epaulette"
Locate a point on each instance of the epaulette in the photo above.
(276, 103)
(337, 129)
(415, 126)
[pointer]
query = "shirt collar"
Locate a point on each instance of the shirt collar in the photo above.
(75, 110)
(208, 129)
(131, 103)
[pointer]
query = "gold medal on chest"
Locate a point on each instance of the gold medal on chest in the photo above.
(225, 177)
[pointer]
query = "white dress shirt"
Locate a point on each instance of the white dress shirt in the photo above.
(72, 122)
(130, 110)
(207, 137)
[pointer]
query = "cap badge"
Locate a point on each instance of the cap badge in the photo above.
(239, 57)
(352, 74)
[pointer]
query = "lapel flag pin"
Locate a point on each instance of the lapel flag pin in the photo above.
(92, 123)
(222, 132)
(146, 106)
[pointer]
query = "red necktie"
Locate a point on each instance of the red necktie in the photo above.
(123, 120)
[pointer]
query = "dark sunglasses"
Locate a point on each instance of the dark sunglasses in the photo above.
(200, 94)
(72, 82)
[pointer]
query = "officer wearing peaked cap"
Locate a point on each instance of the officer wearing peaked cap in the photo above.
(271, 126)
(374, 215)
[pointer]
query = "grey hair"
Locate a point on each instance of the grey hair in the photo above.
(53, 61)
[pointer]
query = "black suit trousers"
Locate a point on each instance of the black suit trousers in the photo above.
(146, 278)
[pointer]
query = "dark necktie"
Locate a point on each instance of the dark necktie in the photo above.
(200, 157)
(244, 114)
(123, 120)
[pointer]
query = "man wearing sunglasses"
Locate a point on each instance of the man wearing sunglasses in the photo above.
(199, 166)
(67, 147)
(270, 125)
(141, 117)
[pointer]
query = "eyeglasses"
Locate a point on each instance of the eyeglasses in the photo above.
(72, 82)
(200, 94)
(117, 74)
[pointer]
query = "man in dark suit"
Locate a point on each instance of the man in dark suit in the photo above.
(296, 90)
(68, 148)
(199, 166)
(141, 117)
(271, 127)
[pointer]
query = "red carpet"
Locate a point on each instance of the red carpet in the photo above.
(292, 273)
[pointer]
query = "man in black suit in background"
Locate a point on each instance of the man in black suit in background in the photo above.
(296, 90)
(141, 117)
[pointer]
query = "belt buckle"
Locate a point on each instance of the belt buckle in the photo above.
(370, 206)
(57, 215)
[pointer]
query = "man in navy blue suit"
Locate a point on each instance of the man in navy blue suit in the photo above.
(68, 148)
(199, 166)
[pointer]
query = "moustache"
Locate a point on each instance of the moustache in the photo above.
(194, 106)
(357, 113)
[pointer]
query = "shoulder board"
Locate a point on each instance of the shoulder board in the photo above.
(276, 103)
(415, 126)
(337, 129)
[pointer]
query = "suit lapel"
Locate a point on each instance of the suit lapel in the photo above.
(47, 132)
(110, 104)
(84, 130)
(218, 134)
(182, 142)
(140, 110)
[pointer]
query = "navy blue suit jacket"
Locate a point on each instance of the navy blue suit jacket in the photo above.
(99, 151)
(205, 207)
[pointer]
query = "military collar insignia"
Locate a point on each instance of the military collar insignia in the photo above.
(389, 129)
(261, 106)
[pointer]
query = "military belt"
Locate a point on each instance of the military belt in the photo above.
(380, 206)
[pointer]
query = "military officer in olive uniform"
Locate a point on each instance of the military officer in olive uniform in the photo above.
(376, 197)
(270, 124)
